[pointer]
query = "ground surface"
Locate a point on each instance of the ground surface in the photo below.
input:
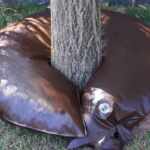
(15, 138)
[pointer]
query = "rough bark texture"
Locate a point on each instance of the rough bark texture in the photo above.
(76, 45)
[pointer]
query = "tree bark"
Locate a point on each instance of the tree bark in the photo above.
(76, 42)
(133, 3)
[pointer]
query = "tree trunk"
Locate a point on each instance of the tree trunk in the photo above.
(133, 3)
(76, 45)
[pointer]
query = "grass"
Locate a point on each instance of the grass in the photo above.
(16, 138)
(11, 14)
(140, 143)
(141, 12)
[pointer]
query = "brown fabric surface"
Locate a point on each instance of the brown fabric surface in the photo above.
(33, 94)
(117, 96)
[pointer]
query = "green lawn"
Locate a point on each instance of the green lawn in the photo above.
(16, 138)
(140, 143)
(141, 12)
(8, 14)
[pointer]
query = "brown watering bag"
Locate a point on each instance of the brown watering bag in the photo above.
(117, 97)
(33, 94)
